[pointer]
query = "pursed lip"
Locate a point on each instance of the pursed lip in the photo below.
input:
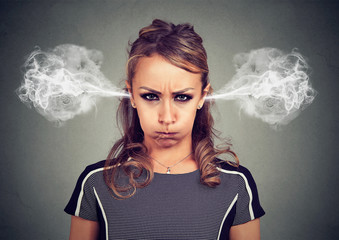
(166, 134)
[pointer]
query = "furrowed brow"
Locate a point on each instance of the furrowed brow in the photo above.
(182, 91)
(151, 90)
(159, 93)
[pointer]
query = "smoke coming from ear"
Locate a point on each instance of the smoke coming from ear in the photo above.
(269, 85)
(67, 81)
(64, 82)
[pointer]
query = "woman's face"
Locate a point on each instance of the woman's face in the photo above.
(166, 98)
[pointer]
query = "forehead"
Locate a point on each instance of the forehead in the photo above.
(157, 72)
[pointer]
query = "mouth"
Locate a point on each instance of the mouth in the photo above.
(166, 134)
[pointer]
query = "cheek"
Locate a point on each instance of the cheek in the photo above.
(146, 118)
(187, 118)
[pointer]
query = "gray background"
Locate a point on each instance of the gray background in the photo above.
(295, 168)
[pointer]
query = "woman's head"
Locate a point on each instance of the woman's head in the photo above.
(178, 46)
(165, 59)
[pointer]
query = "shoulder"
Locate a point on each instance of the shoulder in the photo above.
(91, 170)
(83, 199)
(248, 204)
(95, 167)
(226, 168)
(239, 174)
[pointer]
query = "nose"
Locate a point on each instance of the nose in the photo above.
(166, 113)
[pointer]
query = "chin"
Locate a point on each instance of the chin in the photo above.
(166, 143)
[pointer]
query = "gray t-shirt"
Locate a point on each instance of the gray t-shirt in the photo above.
(172, 206)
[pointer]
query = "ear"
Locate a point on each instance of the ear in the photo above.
(204, 94)
(129, 88)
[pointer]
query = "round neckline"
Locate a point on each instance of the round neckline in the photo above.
(176, 174)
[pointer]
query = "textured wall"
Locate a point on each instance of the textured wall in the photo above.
(295, 168)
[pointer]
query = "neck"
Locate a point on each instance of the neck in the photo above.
(173, 156)
(169, 155)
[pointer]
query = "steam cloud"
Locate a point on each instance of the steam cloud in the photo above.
(269, 85)
(67, 81)
(64, 82)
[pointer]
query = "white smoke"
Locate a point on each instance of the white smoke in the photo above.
(270, 85)
(67, 81)
(64, 82)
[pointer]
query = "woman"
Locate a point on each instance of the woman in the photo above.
(162, 179)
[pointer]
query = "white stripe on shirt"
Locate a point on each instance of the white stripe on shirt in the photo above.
(103, 212)
(227, 212)
(77, 210)
(249, 191)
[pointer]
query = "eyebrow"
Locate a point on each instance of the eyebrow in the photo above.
(159, 93)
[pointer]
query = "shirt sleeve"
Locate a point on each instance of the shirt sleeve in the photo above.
(247, 206)
(83, 201)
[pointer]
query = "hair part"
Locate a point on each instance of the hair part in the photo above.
(182, 47)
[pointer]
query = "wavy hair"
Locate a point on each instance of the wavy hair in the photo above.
(182, 47)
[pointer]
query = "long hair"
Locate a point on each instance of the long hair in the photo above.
(182, 47)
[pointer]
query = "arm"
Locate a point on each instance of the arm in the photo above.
(82, 229)
(246, 231)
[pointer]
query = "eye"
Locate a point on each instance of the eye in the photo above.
(150, 96)
(182, 98)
